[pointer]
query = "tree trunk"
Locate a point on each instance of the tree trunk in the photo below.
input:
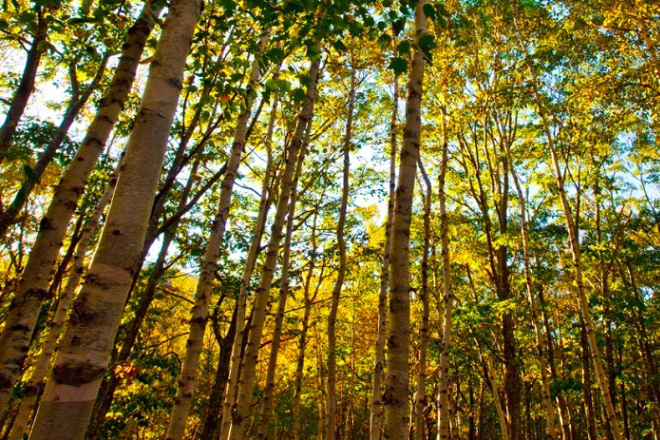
(420, 392)
(397, 377)
(19, 326)
(302, 340)
(83, 358)
(186, 384)
(551, 430)
(295, 152)
(376, 390)
(443, 386)
(267, 401)
(26, 85)
(253, 253)
(76, 104)
(30, 398)
(590, 414)
(212, 420)
(341, 274)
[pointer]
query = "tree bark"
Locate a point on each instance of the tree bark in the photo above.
(443, 386)
(33, 286)
(397, 378)
(83, 358)
(420, 393)
(30, 398)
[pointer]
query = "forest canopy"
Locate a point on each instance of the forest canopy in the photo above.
(395, 219)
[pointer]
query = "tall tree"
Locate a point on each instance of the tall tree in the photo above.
(397, 376)
(83, 357)
(33, 287)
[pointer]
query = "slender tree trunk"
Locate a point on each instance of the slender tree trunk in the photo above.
(590, 414)
(420, 392)
(294, 150)
(267, 401)
(19, 326)
(397, 377)
(302, 341)
(31, 395)
(26, 85)
(185, 390)
(83, 358)
(379, 362)
(341, 274)
(212, 420)
(253, 252)
(76, 104)
(497, 398)
(443, 386)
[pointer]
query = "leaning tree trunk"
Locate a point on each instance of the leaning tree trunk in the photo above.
(76, 104)
(31, 394)
(26, 85)
(88, 340)
(267, 401)
(294, 150)
(186, 383)
(397, 377)
(379, 361)
(33, 286)
(341, 274)
(248, 268)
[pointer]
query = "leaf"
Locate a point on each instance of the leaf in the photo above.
(398, 26)
(399, 65)
(298, 95)
(403, 47)
(429, 11)
(340, 46)
(31, 174)
(427, 44)
(384, 41)
(19, 199)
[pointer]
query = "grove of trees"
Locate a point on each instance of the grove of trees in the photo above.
(330, 219)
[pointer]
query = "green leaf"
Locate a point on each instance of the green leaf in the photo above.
(19, 199)
(398, 26)
(427, 44)
(440, 8)
(384, 41)
(404, 47)
(298, 95)
(399, 65)
(271, 84)
(429, 11)
(31, 174)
